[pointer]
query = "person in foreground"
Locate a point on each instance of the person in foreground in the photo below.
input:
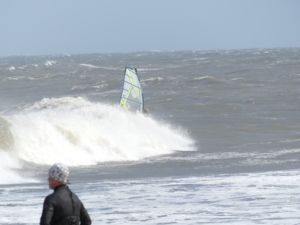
(62, 207)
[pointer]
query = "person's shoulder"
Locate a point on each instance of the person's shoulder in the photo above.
(54, 195)
(49, 201)
(50, 197)
(75, 195)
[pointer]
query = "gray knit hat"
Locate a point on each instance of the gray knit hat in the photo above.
(59, 172)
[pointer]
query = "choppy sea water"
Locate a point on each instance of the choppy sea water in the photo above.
(220, 144)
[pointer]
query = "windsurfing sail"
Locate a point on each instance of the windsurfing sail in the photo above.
(132, 95)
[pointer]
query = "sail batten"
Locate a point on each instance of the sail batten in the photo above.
(132, 95)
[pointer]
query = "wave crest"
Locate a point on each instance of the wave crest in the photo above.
(76, 132)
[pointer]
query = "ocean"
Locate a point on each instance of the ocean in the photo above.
(220, 143)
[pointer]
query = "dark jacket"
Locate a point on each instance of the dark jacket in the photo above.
(63, 207)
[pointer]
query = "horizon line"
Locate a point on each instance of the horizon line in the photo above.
(145, 51)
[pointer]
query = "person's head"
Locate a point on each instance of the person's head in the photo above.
(58, 175)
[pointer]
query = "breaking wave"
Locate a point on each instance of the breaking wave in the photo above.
(78, 132)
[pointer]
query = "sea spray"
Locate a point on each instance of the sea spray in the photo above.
(9, 169)
(78, 132)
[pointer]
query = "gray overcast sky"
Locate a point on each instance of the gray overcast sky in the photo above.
(98, 26)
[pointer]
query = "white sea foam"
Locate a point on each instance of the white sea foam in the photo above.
(249, 155)
(89, 66)
(208, 79)
(151, 79)
(84, 87)
(266, 198)
(250, 198)
(16, 78)
(148, 69)
(11, 68)
(78, 132)
(13, 78)
(50, 63)
(196, 59)
(203, 78)
(8, 168)
(238, 79)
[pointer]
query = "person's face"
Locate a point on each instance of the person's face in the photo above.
(50, 183)
(53, 183)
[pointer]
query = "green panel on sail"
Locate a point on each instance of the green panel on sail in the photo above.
(132, 96)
